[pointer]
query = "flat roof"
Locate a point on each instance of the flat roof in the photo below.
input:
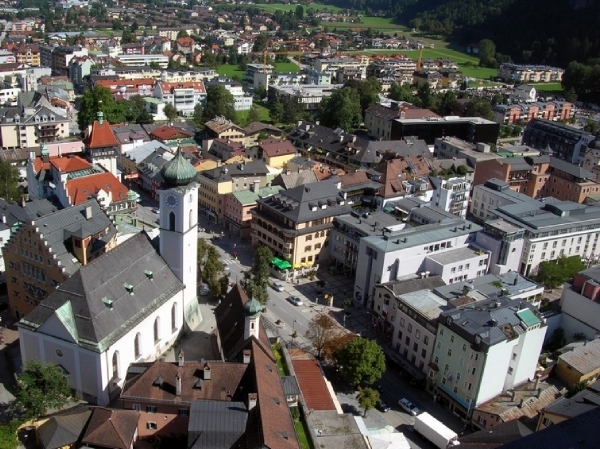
(426, 302)
(454, 255)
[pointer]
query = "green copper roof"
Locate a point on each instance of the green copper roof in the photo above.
(253, 308)
(178, 171)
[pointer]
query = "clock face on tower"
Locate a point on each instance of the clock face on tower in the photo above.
(171, 200)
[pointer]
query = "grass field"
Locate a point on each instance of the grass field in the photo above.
(231, 70)
(377, 24)
(292, 7)
(554, 88)
(242, 116)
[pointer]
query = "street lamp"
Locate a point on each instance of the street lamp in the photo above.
(294, 334)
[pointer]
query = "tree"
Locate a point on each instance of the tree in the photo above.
(254, 114)
(145, 118)
(211, 269)
(170, 112)
(487, 53)
(321, 331)
(128, 37)
(554, 273)
(257, 278)
(479, 107)
(41, 387)
(260, 43)
(361, 361)
(398, 92)
(197, 117)
(341, 110)
(368, 91)
(182, 33)
(9, 182)
(299, 12)
(276, 110)
(98, 99)
(219, 102)
(367, 399)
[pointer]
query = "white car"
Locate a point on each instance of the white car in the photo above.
(409, 407)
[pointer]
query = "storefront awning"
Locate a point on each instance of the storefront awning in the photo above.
(281, 264)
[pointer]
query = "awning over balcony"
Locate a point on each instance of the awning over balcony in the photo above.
(281, 263)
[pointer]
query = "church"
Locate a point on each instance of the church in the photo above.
(128, 305)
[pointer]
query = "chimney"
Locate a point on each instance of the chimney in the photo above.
(252, 398)
(539, 393)
(255, 186)
(537, 382)
(88, 212)
(178, 384)
(521, 403)
(206, 371)
(247, 353)
(180, 359)
(513, 393)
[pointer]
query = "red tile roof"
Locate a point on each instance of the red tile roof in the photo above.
(169, 133)
(101, 135)
(196, 85)
(65, 164)
(312, 385)
(80, 189)
(111, 428)
(273, 148)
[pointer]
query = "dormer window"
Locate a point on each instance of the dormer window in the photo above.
(52, 118)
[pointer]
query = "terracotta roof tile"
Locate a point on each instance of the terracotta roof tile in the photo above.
(169, 133)
(312, 384)
(80, 189)
(69, 164)
(111, 428)
(273, 148)
(157, 383)
(101, 135)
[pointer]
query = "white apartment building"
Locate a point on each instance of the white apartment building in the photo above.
(183, 96)
(484, 349)
(446, 249)
(309, 96)
(451, 195)
(332, 65)
(409, 321)
(205, 74)
(494, 193)
(9, 96)
(142, 60)
(554, 228)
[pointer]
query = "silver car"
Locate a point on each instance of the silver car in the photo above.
(295, 300)
(277, 286)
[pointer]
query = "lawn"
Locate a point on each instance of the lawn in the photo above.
(554, 88)
(285, 67)
(318, 7)
(377, 24)
(230, 70)
(242, 116)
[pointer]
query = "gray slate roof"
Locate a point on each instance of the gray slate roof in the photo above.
(58, 227)
(290, 385)
(309, 202)
(493, 321)
(61, 431)
(94, 305)
(582, 402)
(571, 169)
(15, 213)
(228, 172)
(216, 424)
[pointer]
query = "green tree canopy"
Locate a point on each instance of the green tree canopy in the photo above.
(487, 53)
(219, 102)
(197, 117)
(399, 92)
(367, 399)
(323, 332)
(341, 110)
(260, 43)
(170, 111)
(253, 114)
(479, 107)
(211, 269)
(9, 182)
(41, 387)
(361, 361)
(554, 273)
(98, 99)
(368, 91)
(257, 278)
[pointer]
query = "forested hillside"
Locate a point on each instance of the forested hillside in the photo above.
(537, 31)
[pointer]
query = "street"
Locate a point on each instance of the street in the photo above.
(290, 323)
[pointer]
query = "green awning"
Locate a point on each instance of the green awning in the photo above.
(281, 264)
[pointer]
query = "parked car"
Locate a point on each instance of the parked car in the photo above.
(277, 286)
(382, 406)
(295, 300)
(204, 290)
(409, 407)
